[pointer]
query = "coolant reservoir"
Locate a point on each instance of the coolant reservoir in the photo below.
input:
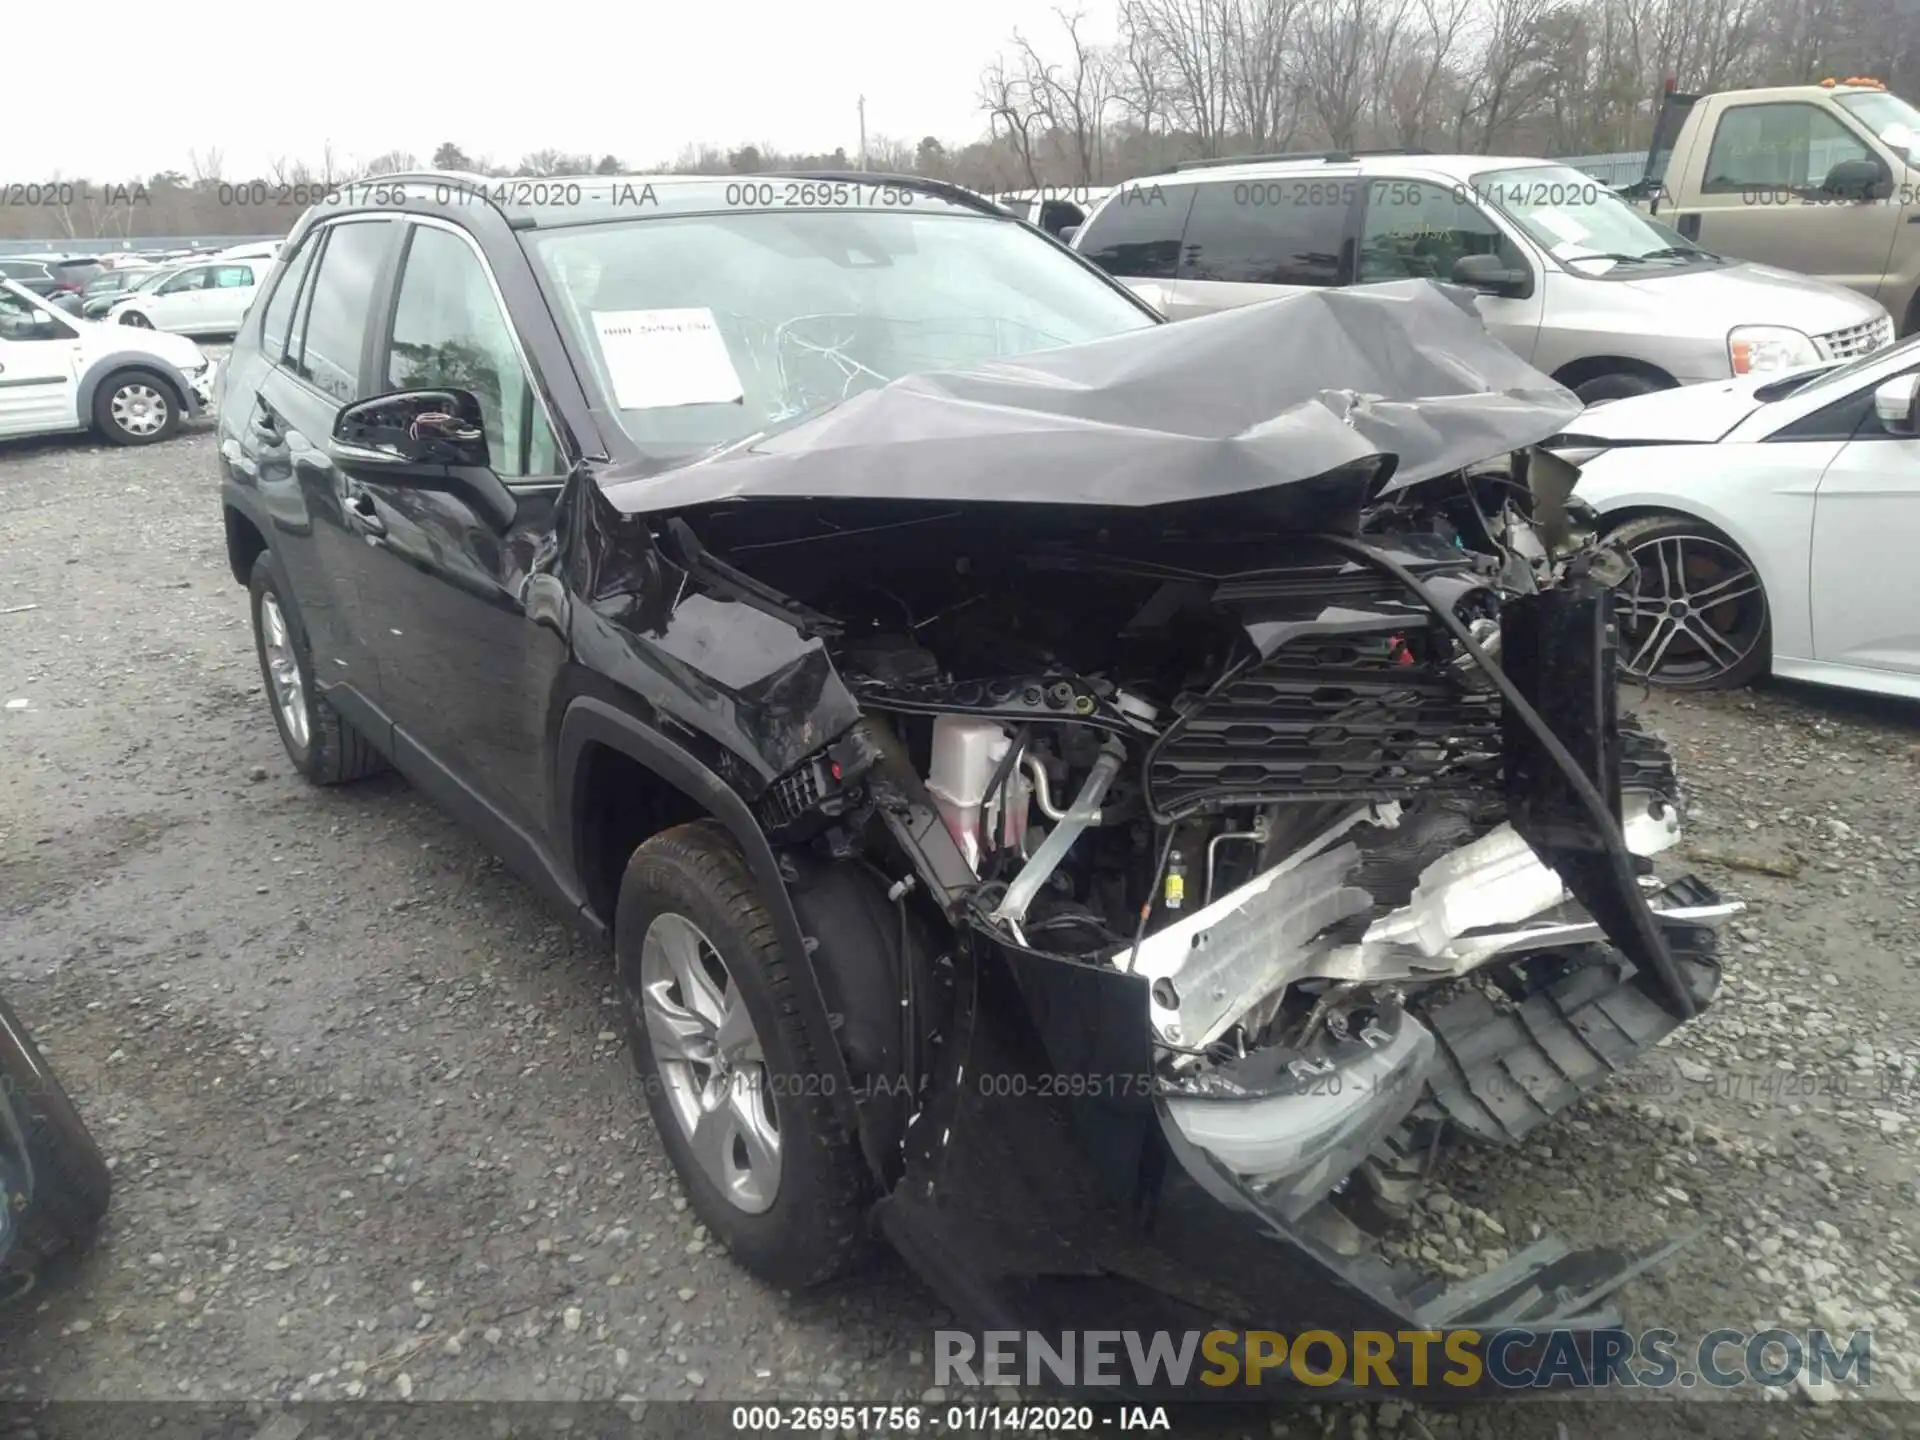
(966, 752)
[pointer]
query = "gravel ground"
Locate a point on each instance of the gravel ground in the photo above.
(374, 1135)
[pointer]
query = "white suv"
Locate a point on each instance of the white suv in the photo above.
(60, 373)
(205, 299)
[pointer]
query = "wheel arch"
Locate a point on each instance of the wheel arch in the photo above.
(593, 729)
(1592, 367)
(120, 362)
(245, 542)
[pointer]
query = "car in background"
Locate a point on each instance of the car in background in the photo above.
(1565, 273)
(1058, 210)
(64, 374)
(106, 289)
(1771, 521)
(252, 250)
(47, 276)
(205, 299)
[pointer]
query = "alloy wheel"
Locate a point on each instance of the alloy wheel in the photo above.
(711, 1063)
(283, 670)
(139, 409)
(1695, 611)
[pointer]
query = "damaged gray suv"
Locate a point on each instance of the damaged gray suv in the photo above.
(1093, 803)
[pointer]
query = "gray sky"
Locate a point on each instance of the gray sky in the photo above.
(639, 80)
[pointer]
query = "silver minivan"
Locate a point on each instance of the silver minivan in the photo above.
(1568, 275)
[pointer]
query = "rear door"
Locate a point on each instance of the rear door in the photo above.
(322, 366)
(229, 295)
(1253, 240)
(1135, 237)
(1759, 195)
(1419, 229)
(38, 370)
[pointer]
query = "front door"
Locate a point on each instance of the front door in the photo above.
(38, 368)
(179, 302)
(465, 671)
(1865, 585)
(1418, 230)
(1760, 196)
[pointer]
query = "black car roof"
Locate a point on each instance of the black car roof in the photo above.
(530, 202)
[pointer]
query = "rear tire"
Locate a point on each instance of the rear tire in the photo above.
(1617, 385)
(71, 1183)
(135, 407)
(323, 746)
(808, 1226)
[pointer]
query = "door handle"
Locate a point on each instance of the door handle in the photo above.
(362, 514)
(265, 423)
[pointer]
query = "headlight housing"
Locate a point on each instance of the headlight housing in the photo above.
(1767, 349)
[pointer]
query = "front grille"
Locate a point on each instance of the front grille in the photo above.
(1856, 340)
(1331, 718)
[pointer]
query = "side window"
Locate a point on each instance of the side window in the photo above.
(1268, 232)
(1417, 231)
(233, 277)
(278, 319)
(1788, 146)
(21, 320)
(449, 333)
(1136, 234)
(327, 350)
(194, 279)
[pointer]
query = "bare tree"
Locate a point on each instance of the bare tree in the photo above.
(205, 165)
(1192, 43)
(1073, 98)
(1423, 68)
(1008, 100)
(1349, 53)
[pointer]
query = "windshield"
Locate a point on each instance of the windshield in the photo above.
(708, 329)
(1583, 224)
(1892, 119)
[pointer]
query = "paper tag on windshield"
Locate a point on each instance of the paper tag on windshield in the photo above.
(658, 358)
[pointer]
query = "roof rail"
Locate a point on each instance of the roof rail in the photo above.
(1332, 157)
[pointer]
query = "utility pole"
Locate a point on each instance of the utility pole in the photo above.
(863, 132)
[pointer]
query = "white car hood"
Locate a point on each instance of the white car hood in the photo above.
(101, 338)
(1690, 413)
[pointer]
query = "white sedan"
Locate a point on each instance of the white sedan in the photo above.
(1775, 522)
(206, 299)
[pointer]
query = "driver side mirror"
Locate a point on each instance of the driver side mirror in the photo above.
(1067, 232)
(1855, 180)
(1491, 275)
(414, 429)
(1893, 403)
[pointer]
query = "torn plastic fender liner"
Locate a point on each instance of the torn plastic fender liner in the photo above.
(1558, 649)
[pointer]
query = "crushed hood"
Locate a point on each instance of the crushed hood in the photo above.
(1267, 395)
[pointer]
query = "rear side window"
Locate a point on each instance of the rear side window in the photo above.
(278, 319)
(327, 352)
(1136, 234)
(233, 277)
(1268, 232)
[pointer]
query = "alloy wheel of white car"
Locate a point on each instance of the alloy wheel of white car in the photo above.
(1695, 615)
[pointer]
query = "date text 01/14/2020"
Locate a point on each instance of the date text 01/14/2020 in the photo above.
(947, 1420)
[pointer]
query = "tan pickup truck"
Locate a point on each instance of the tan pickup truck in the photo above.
(1823, 179)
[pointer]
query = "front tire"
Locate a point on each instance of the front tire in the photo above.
(1695, 616)
(135, 319)
(730, 1067)
(135, 407)
(323, 746)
